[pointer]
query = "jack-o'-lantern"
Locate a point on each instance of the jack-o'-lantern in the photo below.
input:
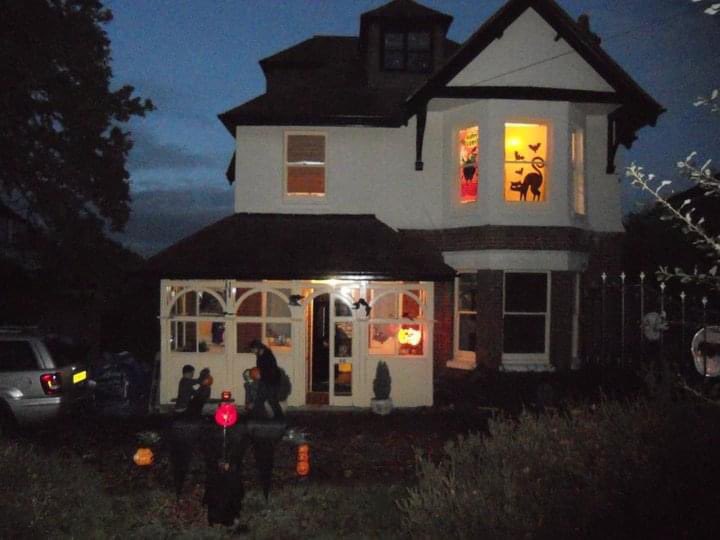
(143, 457)
(303, 460)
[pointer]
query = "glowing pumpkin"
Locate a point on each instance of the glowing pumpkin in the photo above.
(143, 457)
(302, 468)
(226, 415)
(303, 460)
(409, 336)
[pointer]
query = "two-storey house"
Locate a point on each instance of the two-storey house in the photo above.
(403, 197)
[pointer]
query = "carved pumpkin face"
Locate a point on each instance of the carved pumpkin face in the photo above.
(143, 457)
(302, 468)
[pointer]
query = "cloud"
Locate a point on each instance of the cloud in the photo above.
(161, 217)
(148, 153)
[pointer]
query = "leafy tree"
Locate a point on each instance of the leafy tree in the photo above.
(62, 146)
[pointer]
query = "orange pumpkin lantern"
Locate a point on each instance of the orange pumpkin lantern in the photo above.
(143, 457)
(302, 468)
(303, 460)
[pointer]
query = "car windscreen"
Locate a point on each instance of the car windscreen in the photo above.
(65, 352)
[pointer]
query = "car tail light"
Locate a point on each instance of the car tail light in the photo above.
(51, 383)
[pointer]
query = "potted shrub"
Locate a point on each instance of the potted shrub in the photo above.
(381, 403)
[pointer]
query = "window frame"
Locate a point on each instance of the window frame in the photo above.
(182, 321)
(578, 173)
(304, 197)
(458, 166)
(546, 167)
(462, 355)
(535, 357)
(406, 50)
(418, 295)
(263, 319)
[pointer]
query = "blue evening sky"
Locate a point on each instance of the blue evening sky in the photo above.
(197, 58)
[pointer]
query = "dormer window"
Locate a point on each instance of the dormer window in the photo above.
(407, 51)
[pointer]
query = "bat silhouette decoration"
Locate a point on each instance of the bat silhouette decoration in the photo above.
(534, 147)
(520, 171)
(518, 157)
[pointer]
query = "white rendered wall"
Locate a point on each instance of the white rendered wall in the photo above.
(371, 170)
(368, 171)
(528, 55)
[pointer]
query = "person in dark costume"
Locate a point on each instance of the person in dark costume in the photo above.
(267, 385)
(186, 388)
(201, 395)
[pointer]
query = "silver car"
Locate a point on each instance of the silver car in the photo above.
(40, 378)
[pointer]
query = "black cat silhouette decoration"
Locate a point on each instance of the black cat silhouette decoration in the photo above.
(535, 147)
(518, 157)
(532, 181)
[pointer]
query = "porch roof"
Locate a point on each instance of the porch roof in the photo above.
(295, 246)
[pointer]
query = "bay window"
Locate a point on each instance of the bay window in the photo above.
(577, 159)
(466, 316)
(526, 154)
(467, 172)
(526, 314)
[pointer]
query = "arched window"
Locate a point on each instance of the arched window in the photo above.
(397, 326)
(197, 320)
(263, 315)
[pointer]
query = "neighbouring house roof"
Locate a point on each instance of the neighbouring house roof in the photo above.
(292, 246)
(638, 107)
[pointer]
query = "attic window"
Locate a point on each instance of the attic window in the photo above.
(407, 51)
(305, 164)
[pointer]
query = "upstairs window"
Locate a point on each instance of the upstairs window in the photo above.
(305, 164)
(526, 147)
(468, 146)
(577, 158)
(407, 51)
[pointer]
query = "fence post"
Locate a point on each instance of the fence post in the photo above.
(704, 305)
(622, 319)
(642, 316)
(682, 325)
(603, 349)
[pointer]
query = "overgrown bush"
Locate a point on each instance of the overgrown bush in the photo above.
(609, 470)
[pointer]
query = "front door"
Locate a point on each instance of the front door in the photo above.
(319, 361)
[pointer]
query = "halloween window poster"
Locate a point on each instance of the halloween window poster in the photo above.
(468, 164)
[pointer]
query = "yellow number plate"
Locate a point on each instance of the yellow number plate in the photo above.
(79, 376)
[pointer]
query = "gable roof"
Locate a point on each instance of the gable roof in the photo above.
(641, 106)
(299, 246)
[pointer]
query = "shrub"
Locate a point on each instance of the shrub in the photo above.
(382, 382)
(607, 470)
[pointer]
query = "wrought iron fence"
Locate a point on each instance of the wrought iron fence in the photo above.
(631, 320)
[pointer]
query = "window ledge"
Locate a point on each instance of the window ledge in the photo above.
(526, 366)
(461, 364)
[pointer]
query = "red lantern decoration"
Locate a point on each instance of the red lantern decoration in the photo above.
(226, 415)
(143, 457)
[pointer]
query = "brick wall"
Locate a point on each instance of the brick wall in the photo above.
(506, 237)
(444, 317)
(562, 298)
(489, 318)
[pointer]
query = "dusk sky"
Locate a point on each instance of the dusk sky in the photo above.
(197, 58)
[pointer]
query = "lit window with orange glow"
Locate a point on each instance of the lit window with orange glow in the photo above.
(468, 146)
(525, 162)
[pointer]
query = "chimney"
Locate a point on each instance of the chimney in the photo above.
(584, 24)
